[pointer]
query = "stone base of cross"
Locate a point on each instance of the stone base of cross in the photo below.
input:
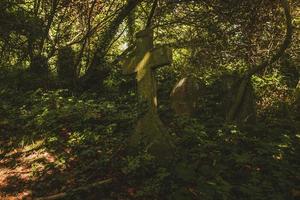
(149, 131)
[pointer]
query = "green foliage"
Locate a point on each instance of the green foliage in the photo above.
(228, 163)
(83, 135)
(212, 160)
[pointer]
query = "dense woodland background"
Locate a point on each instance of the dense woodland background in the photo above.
(67, 111)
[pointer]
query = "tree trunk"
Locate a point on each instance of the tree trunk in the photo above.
(99, 68)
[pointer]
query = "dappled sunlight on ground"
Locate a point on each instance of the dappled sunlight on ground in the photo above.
(18, 170)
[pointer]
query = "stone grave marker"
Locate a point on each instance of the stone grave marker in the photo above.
(184, 96)
(149, 129)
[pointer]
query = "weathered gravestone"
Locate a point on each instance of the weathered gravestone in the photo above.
(297, 91)
(192, 97)
(184, 96)
(66, 70)
(297, 105)
(149, 129)
(229, 86)
(297, 98)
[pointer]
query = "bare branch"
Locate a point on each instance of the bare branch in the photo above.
(246, 78)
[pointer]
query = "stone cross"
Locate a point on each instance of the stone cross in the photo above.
(146, 59)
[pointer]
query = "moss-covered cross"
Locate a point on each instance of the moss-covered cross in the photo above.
(146, 59)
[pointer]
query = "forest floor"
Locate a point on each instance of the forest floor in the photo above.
(53, 142)
(31, 171)
(16, 174)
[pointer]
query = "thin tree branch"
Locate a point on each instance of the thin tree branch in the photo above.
(149, 21)
(65, 194)
(284, 45)
(246, 78)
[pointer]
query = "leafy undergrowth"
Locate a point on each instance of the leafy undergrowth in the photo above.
(56, 141)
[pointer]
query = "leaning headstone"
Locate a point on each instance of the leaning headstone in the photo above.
(246, 112)
(149, 130)
(297, 98)
(39, 65)
(297, 91)
(184, 96)
(297, 106)
(66, 71)
(190, 97)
